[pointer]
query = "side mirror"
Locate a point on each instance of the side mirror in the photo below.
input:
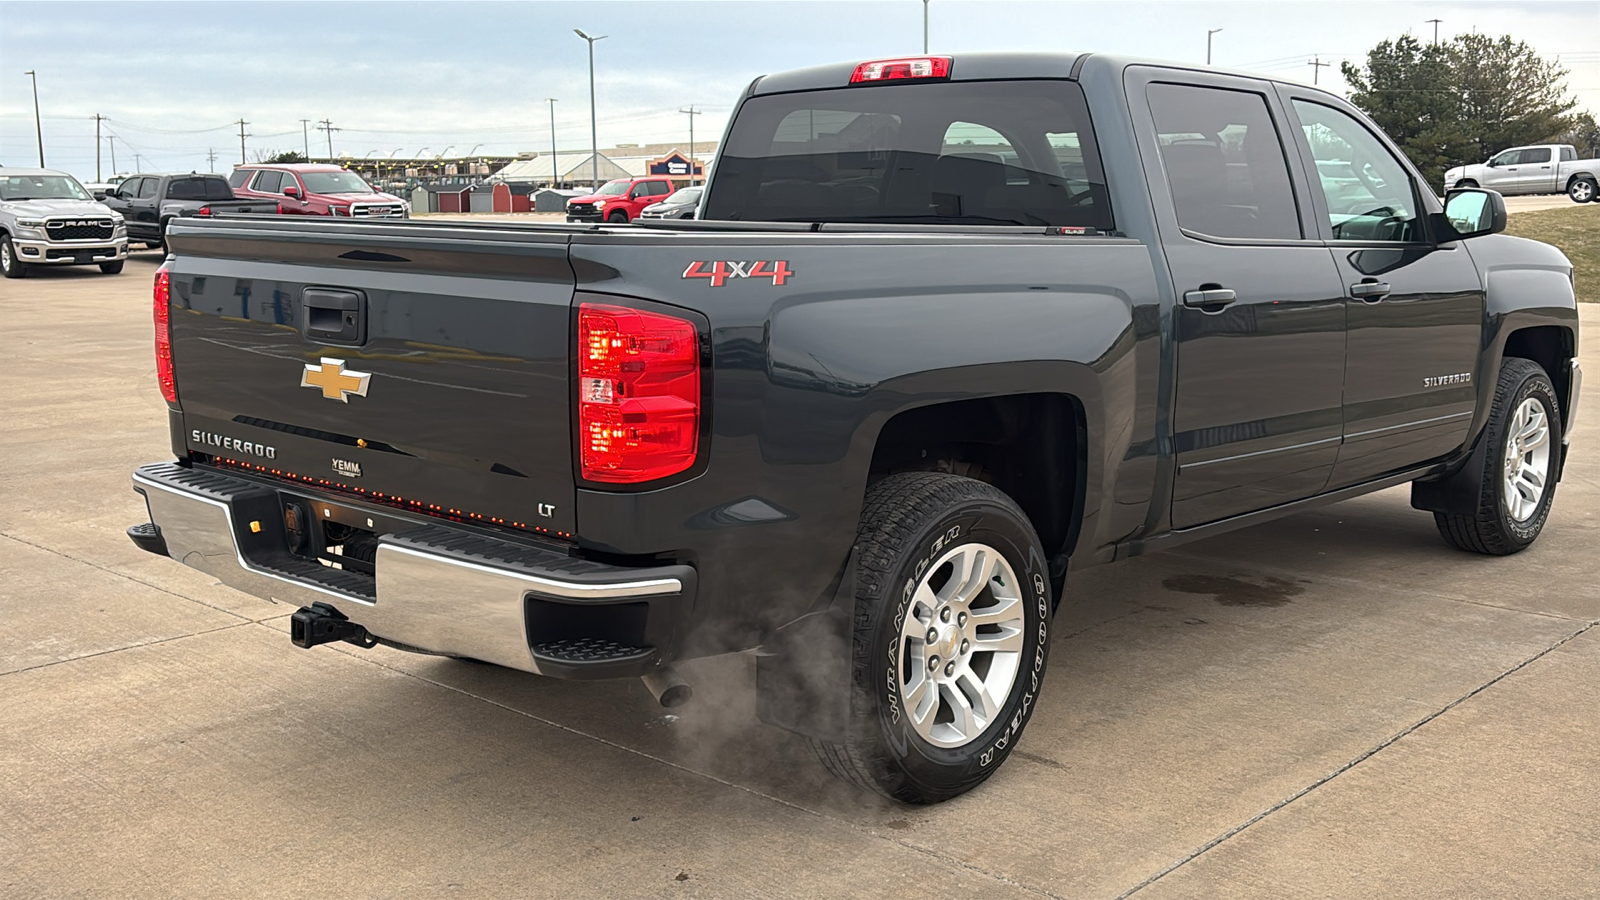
(291, 191)
(100, 195)
(1471, 212)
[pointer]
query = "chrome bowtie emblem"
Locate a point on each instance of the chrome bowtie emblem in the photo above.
(336, 382)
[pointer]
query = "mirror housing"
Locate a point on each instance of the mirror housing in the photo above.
(100, 195)
(1472, 212)
(291, 191)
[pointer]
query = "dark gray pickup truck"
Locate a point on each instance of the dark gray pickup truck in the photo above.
(944, 330)
(150, 202)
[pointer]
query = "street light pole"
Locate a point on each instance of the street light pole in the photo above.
(38, 128)
(1209, 33)
(1435, 23)
(305, 137)
(555, 174)
(594, 131)
(924, 26)
(111, 139)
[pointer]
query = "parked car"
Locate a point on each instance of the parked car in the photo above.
(316, 189)
(618, 201)
(1537, 169)
(679, 205)
(150, 202)
(48, 219)
(866, 414)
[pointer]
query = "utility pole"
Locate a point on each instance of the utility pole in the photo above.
(138, 164)
(326, 125)
(555, 171)
(691, 112)
(1435, 24)
(242, 136)
(1209, 33)
(305, 137)
(594, 131)
(97, 120)
(211, 158)
(924, 29)
(112, 140)
(1316, 67)
(38, 129)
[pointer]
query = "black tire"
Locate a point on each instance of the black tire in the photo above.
(1491, 529)
(1582, 190)
(909, 521)
(1466, 183)
(10, 265)
(111, 268)
(619, 216)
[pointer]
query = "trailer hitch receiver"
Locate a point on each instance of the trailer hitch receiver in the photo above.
(320, 623)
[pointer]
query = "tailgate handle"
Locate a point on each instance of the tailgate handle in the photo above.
(335, 317)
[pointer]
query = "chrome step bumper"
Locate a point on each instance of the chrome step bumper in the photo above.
(436, 589)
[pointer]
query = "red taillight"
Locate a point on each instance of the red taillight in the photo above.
(205, 211)
(897, 69)
(638, 394)
(163, 315)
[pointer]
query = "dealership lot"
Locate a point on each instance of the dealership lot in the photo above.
(1335, 704)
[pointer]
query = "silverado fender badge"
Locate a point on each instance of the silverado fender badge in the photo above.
(336, 382)
(721, 270)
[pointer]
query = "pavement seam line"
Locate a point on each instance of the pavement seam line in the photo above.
(1343, 579)
(124, 575)
(1392, 739)
(150, 643)
(924, 851)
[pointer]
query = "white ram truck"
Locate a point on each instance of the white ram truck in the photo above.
(1536, 169)
(48, 219)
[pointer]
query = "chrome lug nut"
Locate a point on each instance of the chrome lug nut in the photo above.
(933, 663)
(961, 619)
(944, 614)
(933, 635)
(950, 670)
(965, 645)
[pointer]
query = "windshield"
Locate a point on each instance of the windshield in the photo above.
(613, 189)
(201, 188)
(42, 187)
(689, 196)
(943, 153)
(335, 183)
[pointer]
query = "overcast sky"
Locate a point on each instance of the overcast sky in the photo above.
(409, 78)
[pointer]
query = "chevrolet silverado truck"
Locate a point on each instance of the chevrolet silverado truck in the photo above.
(150, 202)
(619, 201)
(48, 219)
(1539, 169)
(947, 329)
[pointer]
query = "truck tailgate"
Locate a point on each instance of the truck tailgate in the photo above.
(448, 392)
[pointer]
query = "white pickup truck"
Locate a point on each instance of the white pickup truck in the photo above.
(1536, 169)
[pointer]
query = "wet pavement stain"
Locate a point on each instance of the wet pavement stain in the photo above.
(1236, 591)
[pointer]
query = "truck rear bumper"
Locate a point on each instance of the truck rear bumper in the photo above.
(436, 588)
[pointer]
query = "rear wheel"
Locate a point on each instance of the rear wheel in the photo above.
(951, 637)
(1581, 190)
(111, 268)
(1516, 483)
(10, 265)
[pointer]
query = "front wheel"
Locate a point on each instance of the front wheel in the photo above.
(111, 268)
(1581, 191)
(952, 631)
(1516, 477)
(10, 265)
(619, 216)
(1466, 183)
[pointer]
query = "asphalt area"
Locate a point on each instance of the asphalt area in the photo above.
(1331, 705)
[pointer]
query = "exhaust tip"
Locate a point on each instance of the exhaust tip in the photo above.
(668, 687)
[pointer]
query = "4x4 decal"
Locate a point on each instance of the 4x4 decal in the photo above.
(722, 270)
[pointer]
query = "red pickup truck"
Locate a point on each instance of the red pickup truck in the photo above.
(619, 201)
(315, 189)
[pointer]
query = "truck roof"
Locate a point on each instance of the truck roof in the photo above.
(30, 170)
(295, 167)
(989, 67)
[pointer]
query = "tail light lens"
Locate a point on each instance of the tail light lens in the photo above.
(163, 316)
(638, 394)
(898, 69)
(205, 211)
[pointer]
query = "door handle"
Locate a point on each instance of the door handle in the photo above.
(1370, 291)
(1216, 297)
(334, 316)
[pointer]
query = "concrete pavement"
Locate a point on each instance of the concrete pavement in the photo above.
(1333, 705)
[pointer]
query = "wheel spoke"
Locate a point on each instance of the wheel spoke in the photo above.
(978, 568)
(1009, 640)
(921, 701)
(965, 722)
(1008, 609)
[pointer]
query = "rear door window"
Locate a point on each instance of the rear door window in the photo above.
(268, 181)
(982, 153)
(1568, 154)
(1535, 155)
(1225, 163)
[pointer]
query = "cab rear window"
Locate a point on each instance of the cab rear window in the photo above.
(980, 153)
(199, 189)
